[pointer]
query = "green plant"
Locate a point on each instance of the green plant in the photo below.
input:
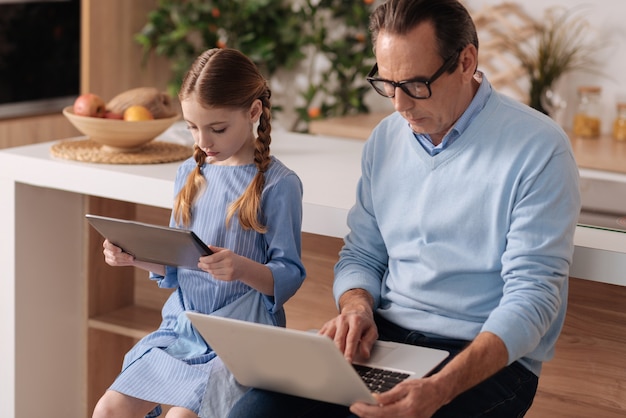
(339, 35)
(559, 44)
(275, 34)
(181, 30)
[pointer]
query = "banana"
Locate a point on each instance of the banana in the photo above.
(157, 102)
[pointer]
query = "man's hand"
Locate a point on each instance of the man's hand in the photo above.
(417, 398)
(353, 330)
(484, 357)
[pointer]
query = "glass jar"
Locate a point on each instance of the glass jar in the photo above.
(587, 117)
(619, 126)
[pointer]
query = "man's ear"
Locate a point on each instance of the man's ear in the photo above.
(469, 60)
(255, 111)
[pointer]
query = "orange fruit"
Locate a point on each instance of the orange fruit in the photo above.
(314, 112)
(137, 113)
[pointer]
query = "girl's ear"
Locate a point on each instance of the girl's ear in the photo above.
(255, 111)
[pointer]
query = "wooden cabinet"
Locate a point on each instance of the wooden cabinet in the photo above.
(33, 129)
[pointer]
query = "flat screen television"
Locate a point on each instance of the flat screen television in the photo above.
(39, 56)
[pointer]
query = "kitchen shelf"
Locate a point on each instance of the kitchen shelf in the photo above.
(132, 321)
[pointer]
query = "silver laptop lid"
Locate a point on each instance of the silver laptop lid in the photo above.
(302, 363)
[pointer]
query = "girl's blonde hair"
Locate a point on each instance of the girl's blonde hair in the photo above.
(226, 78)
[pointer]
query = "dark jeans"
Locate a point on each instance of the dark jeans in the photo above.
(509, 393)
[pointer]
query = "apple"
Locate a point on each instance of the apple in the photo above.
(89, 104)
(109, 114)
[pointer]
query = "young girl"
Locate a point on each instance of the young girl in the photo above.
(247, 206)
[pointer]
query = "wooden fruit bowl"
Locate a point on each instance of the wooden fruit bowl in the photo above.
(119, 135)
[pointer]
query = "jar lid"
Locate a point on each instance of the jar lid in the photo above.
(589, 89)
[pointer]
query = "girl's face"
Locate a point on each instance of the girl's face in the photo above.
(224, 134)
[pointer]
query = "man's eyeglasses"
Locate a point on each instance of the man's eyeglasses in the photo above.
(417, 88)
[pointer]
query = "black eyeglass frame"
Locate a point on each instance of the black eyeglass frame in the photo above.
(447, 64)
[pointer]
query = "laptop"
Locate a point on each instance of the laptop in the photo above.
(306, 364)
(152, 243)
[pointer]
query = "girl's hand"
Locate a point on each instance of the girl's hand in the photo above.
(223, 264)
(114, 256)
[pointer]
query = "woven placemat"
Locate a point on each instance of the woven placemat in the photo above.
(86, 150)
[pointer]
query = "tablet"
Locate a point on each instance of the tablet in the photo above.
(152, 243)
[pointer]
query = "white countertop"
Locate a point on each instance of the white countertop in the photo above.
(329, 168)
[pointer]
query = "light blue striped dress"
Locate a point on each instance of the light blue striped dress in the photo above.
(173, 365)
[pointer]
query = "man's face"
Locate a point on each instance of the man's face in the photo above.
(403, 57)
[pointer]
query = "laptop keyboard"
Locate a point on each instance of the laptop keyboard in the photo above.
(379, 380)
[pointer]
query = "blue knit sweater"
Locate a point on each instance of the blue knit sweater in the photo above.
(476, 238)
